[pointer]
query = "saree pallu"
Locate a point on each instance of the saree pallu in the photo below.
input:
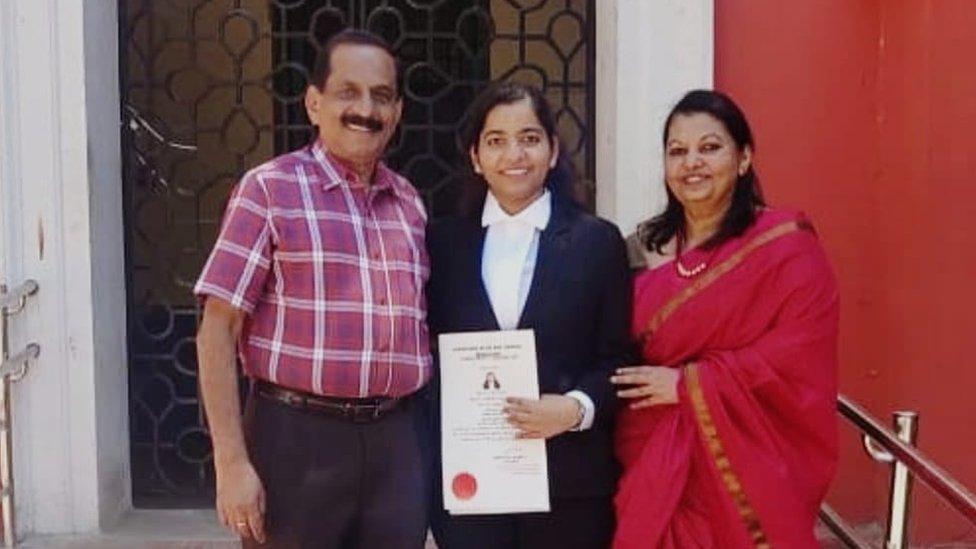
(745, 458)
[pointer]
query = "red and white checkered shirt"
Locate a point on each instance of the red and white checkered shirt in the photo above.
(331, 275)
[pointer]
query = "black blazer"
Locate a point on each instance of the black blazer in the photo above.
(578, 305)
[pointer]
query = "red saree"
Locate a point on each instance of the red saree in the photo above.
(745, 457)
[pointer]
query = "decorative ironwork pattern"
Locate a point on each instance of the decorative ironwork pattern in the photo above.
(211, 88)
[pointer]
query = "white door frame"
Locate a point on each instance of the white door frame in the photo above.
(648, 53)
(61, 200)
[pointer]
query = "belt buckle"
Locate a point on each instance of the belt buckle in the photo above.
(294, 400)
(362, 413)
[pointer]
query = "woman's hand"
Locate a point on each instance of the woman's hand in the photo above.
(543, 418)
(650, 385)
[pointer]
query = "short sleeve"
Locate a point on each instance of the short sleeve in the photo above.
(239, 262)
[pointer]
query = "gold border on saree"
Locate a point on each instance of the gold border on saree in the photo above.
(722, 268)
(710, 436)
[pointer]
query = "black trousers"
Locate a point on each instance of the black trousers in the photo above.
(585, 523)
(331, 483)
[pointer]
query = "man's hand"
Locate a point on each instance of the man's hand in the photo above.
(240, 495)
(240, 499)
(546, 417)
(649, 385)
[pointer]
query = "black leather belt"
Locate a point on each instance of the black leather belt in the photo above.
(357, 410)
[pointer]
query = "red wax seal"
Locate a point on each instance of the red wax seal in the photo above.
(464, 486)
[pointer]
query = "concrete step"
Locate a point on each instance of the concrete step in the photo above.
(153, 529)
(148, 529)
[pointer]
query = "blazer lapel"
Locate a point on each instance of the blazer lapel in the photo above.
(472, 259)
(553, 243)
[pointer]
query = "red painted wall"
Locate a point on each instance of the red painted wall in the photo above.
(865, 117)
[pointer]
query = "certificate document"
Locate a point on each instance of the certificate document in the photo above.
(486, 470)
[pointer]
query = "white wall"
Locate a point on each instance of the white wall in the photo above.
(60, 192)
(649, 52)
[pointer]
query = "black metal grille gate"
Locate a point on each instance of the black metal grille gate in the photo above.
(213, 87)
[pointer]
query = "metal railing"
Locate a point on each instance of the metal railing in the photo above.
(12, 368)
(907, 463)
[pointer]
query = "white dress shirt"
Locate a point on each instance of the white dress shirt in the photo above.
(508, 263)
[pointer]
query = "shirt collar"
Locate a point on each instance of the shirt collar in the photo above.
(535, 215)
(336, 172)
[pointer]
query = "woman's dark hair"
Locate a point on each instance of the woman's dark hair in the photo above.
(559, 180)
(746, 196)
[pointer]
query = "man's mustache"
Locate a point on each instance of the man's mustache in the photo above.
(370, 124)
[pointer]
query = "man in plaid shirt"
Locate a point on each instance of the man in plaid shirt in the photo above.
(316, 284)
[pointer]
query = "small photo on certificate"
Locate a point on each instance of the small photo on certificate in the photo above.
(486, 469)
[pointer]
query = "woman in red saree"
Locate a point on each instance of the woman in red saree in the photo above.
(728, 436)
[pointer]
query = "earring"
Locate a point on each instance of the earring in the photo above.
(477, 169)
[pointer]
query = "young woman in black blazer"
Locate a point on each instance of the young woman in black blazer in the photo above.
(523, 255)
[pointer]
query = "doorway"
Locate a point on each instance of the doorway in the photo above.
(211, 88)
